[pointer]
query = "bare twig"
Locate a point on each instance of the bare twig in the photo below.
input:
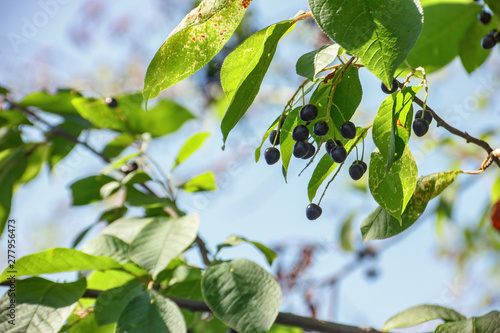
(203, 250)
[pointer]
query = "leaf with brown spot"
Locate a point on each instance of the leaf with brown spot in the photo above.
(380, 224)
(193, 43)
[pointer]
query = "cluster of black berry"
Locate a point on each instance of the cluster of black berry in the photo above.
(422, 122)
(493, 37)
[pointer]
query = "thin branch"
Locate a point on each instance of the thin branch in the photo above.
(468, 138)
(59, 131)
(203, 250)
(287, 319)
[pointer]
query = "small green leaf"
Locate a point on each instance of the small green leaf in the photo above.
(286, 140)
(88, 190)
(196, 40)
(201, 183)
(61, 146)
(136, 177)
(151, 312)
(13, 164)
(35, 163)
(420, 314)
(161, 240)
(3, 91)
(379, 32)
(111, 303)
(311, 63)
(234, 240)
(60, 103)
(58, 260)
(380, 224)
(392, 124)
(346, 234)
(444, 27)
(393, 189)
(126, 229)
(108, 246)
(113, 214)
(244, 69)
(189, 147)
(13, 118)
(104, 280)
(41, 305)
(117, 145)
(141, 199)
(489, 323)
(242, 294)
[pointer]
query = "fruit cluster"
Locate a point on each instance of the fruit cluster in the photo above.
(493, 37)
(423, 118)
(304, 149)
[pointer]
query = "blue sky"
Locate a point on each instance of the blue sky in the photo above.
(253, 199)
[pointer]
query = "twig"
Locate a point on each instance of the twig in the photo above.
(203, 250)
(468, 138)
(287, 319)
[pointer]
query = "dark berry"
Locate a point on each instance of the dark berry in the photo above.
(338, 154)
(363, 164)
(348, 130)
(371, 273)
(488, 42)
(393, 88)
(320, 128)
(272, 155)
(329, 145)
(300, 149)
(338, 143)
(311, 152)
(308, 112)
(495, 34)
(484, 17)
(356, 171)
(300, 133)
(111, 102)
(420, 126)
(313, 211)
(283, 120)
(131, 166)
(274, 137)
(427, 115)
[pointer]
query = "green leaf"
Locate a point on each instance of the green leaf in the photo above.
(60, 103)
(244, 69)
(201, 183)
(136, 177)
(126, 229)
(88, 190)
(58, 260)
(470, 51)
(392, 124)
(4, 91)
(13, 118)
(380, 32)
(34, 163)
(151, 312)
(494, 6)
(42, 305)
(185, 283)
(117, 145)
(10, 139)
(445, 24)
(104, 280)
(420, 314)
(273, 126)
(286, 140)
(61, 146)
(108, 246)
(13, 163)
(196, 40)
(326, 165)
(111, 303)
(113, 214)
(380, 224)
(489, 323)
(346, 234)
(345, 100)
(160, 241)
(234, 240)
(393, 189)
(311, 63)
(189, 147)
(242, 294)
(284, 329)
(141, 199)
